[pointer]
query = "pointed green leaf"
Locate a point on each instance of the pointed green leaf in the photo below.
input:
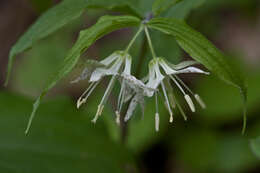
(183, 9)
(105, 25)
(59, 16)
(160, 6)
(49, 22)
(202, 50)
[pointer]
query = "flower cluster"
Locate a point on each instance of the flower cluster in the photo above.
(162, 74)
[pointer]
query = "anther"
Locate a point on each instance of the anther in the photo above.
(200, 101)
(190, 103)
(117, 117)
(171, 118)
(157, 122)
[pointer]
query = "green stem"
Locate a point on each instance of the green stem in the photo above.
(149, 42)
(134, 38)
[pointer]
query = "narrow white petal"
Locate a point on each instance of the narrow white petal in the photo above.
(155, 77)
(128, 63)
(97, 74)
(158, 73)
(131, 108)
(200, 101)
(191, 70)
(152, 82)
(168, 70)
(107, 61)
(151, 76)
(157, 122)
(100, 72)
(190, 103)
(115, 67)
(137, 86)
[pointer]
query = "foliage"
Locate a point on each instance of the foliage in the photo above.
(69, 142)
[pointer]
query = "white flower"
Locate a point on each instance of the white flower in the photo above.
(134, 90)
(161, 78)
(112, 66)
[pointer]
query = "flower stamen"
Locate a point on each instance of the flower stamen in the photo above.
(157, 121)
(190, 103)
(99, 112)
(83, 98)
(196, 96)
(117, 117)
(186, 96)
(167, 102)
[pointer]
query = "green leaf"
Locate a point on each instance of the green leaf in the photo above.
(160, 6)
(202, 50)
(183, 9)
(255, 146)
(231, 104)
(49, 22)
(105, 25)
(59, 16)
(63, 140)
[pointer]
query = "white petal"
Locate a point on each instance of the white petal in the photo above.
(100, 72)
(191, 70)
(158, 73)
(136, 85)
(168, 70)
(155, 78)
(131, 108)
(97, 74)
(107, 61)
(128, 63)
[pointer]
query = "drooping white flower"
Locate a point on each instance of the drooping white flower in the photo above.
(134, 90)
(117, 63)
(160, 72)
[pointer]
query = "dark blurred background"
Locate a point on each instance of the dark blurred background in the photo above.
(62, 139)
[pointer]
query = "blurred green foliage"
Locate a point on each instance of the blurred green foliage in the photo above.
(62, 139)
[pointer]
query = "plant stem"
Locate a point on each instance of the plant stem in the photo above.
(134, 38)
(149, 41)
